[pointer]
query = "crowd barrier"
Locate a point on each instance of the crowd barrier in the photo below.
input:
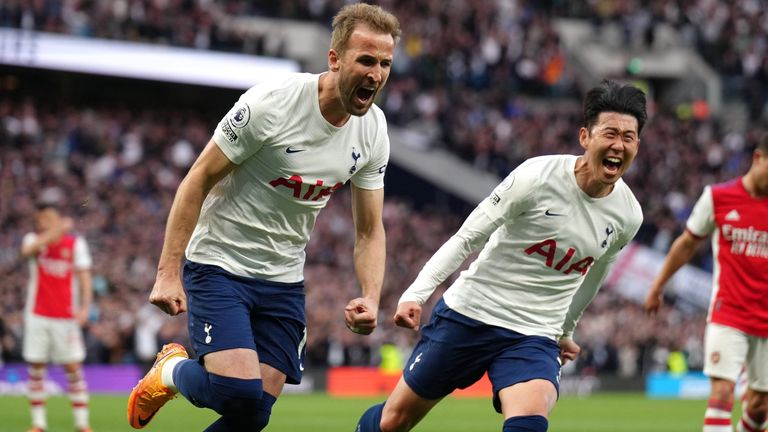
(100, 378)
(360, 381)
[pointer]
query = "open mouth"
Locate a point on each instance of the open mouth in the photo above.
(612, 164)
(364, 94)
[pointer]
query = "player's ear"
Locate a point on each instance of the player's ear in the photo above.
(583, 136)
(333, 60)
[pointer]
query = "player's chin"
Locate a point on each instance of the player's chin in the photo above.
(359, 107)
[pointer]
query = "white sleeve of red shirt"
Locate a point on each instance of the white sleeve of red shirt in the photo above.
(82, 260)
(701, 222)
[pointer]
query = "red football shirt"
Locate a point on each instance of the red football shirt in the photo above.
(53, 289)
(739, 227)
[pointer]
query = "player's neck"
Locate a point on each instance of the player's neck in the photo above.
(752, 188)
(331, 107)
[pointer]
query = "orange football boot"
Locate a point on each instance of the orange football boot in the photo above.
(149, 395)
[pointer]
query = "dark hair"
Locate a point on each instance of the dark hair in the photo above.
(610, 96)
(45, 205)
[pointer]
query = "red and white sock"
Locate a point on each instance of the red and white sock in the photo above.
(749, 424)
(717, 418)
(37, 395)
(78, 395)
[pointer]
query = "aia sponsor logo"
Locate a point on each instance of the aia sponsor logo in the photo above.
(566, 264)
(305, 191)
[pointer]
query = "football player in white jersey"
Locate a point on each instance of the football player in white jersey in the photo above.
(242, 218)
(735, 213)
(547, 236)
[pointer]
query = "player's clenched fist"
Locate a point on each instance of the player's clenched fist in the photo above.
(408, 315)
(360, 315)
(169, 296)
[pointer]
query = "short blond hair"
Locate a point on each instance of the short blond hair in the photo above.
(350, 16)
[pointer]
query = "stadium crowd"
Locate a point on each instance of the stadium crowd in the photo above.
(460, 69)
(465, 78)
(115, 171)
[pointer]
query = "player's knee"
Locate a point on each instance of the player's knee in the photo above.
(722, 392)
(758, 406)
(395, 421)
(235, 396)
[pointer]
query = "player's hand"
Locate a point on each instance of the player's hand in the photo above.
(360, 315)
(168, 295)
(408, 315)
(569, 350)
(653, 302)
(82, 316)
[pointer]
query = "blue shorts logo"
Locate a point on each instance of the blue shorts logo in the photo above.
(207, 328)
(418, 359)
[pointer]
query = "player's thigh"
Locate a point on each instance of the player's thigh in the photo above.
(526, 377)
(67, 344)
(725, 351)
(757, 364)
(36, 345)
(535, 397)
(219, 321)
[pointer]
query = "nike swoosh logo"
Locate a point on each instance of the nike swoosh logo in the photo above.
(144, 421)
(293, 150)
(549, 213)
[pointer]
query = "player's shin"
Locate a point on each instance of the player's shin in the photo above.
(37, 397)
(78, 396)
(252, 423)
(371, 419)
(751, 421)
(531, 423)
(717, 417)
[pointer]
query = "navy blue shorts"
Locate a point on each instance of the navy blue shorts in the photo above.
(228, 311)
(455, 351)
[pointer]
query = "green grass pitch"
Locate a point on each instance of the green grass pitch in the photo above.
(321, 413)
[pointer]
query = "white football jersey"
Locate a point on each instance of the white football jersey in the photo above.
(546, 236)
(256, 222)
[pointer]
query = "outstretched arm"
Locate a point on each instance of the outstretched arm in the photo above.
(370, 258)
(209, 168)
(680, 253)
(472, 235)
